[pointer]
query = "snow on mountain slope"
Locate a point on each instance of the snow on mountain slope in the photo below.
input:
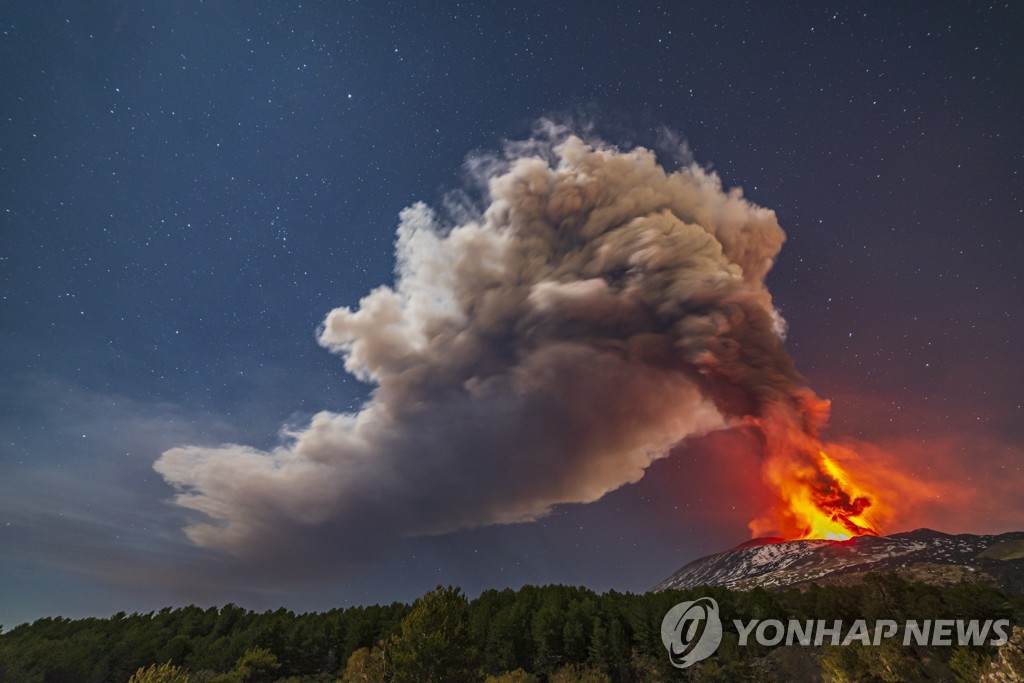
(923, 555)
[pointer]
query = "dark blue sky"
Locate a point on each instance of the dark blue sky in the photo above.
(187, 188)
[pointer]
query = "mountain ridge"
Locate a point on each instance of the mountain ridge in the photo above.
(922, 554)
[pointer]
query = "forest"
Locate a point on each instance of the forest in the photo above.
(555, 634)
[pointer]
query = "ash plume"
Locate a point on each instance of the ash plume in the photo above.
(545, 349)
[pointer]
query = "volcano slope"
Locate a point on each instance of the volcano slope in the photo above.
(922, 555)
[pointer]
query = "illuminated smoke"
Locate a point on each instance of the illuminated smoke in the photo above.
(542, 350)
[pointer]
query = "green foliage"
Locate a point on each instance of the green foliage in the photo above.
(435, 643)
(968, 664)
(366, 666)
(576, 673)
(540, 633)
(888, 663)
(257, 665)
(164, 673)
(517, 676)
(710, 671)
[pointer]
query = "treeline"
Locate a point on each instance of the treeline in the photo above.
(551, 633)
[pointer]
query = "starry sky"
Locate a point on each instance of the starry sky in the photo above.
(187, 188)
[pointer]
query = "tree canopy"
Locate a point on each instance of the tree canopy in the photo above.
(549, 633)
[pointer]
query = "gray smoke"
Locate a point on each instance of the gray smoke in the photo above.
(543, 350)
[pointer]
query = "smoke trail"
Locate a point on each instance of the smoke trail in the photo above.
(543, 350)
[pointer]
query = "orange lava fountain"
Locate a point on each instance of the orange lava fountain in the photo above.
(830, 504)
(818, 497)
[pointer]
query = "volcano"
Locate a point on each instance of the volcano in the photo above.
(921, 555)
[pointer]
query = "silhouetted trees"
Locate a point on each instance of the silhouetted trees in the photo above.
(530, 635)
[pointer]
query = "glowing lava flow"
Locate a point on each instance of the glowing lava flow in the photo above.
(831, 505)
(817, 497)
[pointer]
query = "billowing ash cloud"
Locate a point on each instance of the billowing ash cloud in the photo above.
(598, 311)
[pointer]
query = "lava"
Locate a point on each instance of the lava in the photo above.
(818, 498)
(832, 505)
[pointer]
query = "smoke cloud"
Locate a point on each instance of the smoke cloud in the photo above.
(544, 349)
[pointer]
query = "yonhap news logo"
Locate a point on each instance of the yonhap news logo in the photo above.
(692, 632)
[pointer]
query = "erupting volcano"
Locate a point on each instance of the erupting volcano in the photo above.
(540, 346)
(824, 502)
(819, 498)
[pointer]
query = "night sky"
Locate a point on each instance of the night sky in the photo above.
(188, 188)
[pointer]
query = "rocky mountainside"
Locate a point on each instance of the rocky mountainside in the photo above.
(923, 555)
